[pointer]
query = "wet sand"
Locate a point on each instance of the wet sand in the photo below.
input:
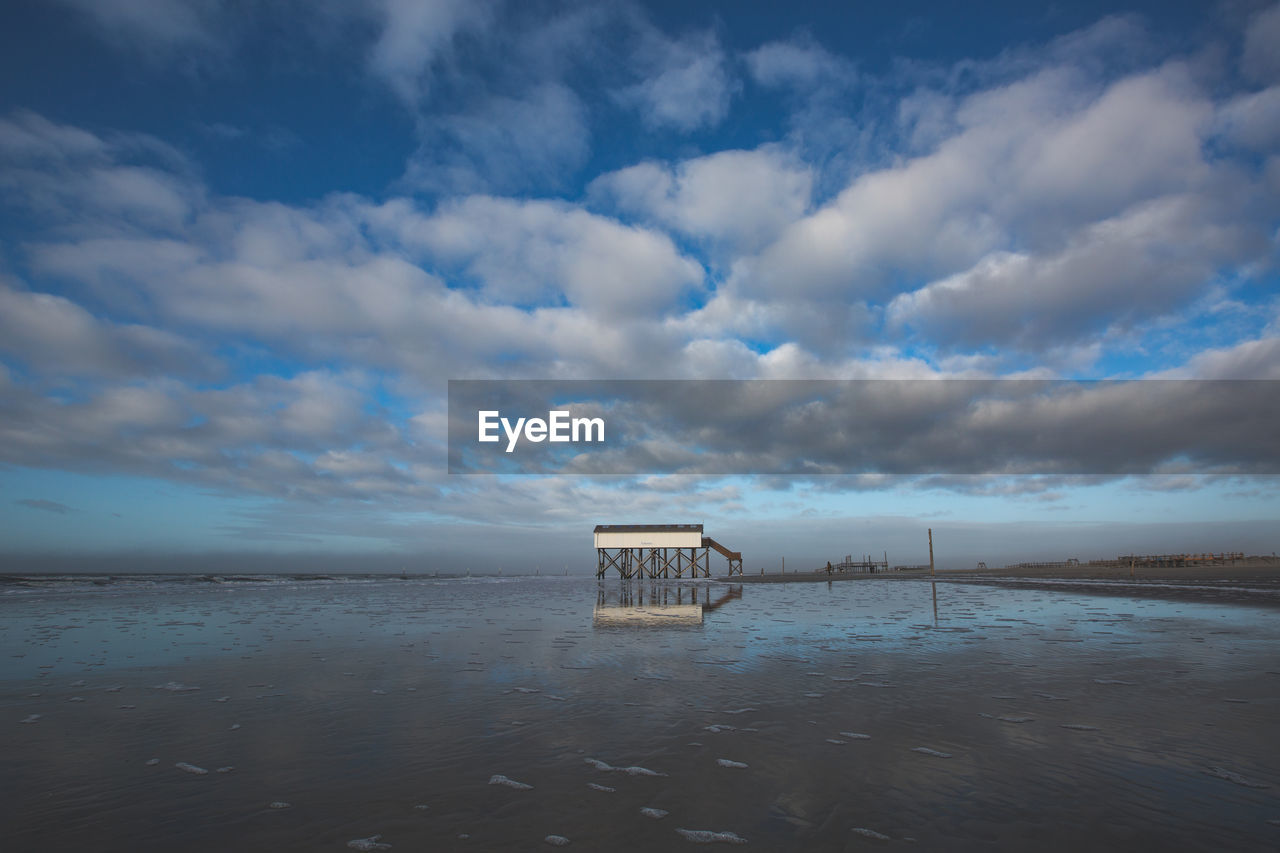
(493, 715)
(1255, 582)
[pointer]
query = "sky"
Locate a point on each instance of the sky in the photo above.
(244, 246)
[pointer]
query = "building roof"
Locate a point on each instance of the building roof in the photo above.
(648, 528)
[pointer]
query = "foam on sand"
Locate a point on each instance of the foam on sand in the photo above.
(725, 762)
(656, 814)
(870, 833)
(497, 779)
(557, 840)
(630, 771)
(191, 768)
(370, 843)
(1236, 778)
(706, 836)
(924, 750)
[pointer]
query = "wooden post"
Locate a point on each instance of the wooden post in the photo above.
(1130, 565)
(930, 552)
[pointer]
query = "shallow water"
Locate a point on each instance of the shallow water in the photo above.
(796, 717)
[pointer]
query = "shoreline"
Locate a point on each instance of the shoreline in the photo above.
(1251, 582)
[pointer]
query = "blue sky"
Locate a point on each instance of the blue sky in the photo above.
(243, 247)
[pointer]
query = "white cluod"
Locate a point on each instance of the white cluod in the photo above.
(510, 783)
(706, 836)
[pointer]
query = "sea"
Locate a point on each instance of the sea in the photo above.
(337, 712)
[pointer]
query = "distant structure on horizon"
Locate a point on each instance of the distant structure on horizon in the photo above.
(658, 551)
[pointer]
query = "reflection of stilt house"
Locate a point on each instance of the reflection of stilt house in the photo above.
(660, 604)
(658, 551)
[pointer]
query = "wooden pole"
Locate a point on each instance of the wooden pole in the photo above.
(930, 552)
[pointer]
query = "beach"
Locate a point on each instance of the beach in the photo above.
(492, 714)
(1254, 582)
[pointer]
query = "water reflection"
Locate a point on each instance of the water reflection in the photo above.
(657, 604)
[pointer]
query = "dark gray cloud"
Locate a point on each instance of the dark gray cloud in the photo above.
(894, 427)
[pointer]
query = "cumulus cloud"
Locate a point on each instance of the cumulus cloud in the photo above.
(741, 199)
(1037, 212)
(57, 337)
(537, 253)
(414, 34)
(1252, 120)
(270, 436)
(687, 82)
(799, 63)
(1140, 264)
(880, 427)
(63, 174)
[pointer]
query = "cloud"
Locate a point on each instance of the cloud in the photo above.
(1259, 61)
(45, 506)
(59, 173)
(800, 63)
(687, 83)
(57, 337)
(535, 139)
(1143, 263)
(274, 436)
(739, 199)
(537, 253)
(1252, 359)
(414, 34)
(877, 427)
(156, 25)
(1252, 120)
(1061, 208)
